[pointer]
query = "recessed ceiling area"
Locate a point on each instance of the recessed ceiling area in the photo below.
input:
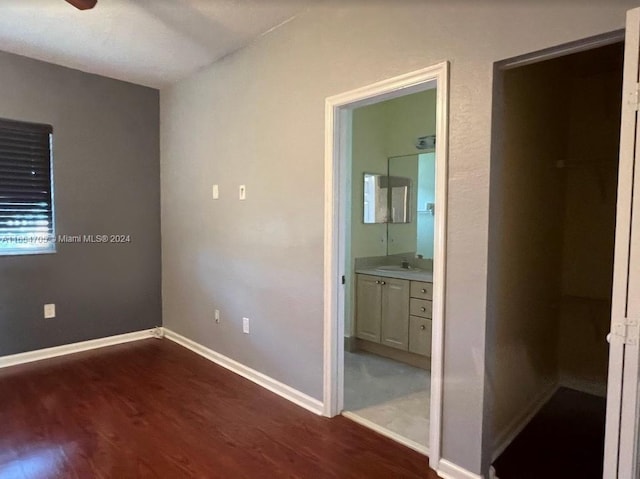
(148, 42)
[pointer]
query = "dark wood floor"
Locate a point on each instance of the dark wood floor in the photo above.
(564, 440)
(153, 409)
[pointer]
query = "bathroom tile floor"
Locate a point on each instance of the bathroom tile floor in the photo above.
(391, 394)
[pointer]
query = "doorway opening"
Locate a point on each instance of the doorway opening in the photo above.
(384, 256)
(388, 317)
(552, 237)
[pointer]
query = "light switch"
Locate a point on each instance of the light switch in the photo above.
(49, 311)
(243, 192)
(245, 325)
(215, 193)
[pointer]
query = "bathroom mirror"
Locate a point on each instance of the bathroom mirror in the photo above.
(404, 199)
(376, 198)
(400, 201)
(387, 199)
(414, 236)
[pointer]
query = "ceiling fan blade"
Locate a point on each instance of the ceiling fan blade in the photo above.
(83, 4)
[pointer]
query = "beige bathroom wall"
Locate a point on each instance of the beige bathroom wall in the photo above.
(257, 118)
(410, 117)
(369, 155)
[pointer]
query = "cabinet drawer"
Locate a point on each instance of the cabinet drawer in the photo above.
(420, 336)
(420, 307)
(421, 290)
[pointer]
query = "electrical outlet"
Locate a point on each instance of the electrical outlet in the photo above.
(242, 191)
(245, 325)
(216, 315)
(49, 311)
(215, 192)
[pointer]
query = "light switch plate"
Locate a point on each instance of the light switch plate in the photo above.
(245, 325)
(49, 311)
(215, 192)
(242, 192)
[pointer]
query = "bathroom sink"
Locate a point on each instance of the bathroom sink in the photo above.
(396, 268)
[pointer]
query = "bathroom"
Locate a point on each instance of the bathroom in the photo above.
(389, 280)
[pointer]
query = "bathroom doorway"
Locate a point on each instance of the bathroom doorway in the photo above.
(553, 235)
(388, 319)
(384, 256)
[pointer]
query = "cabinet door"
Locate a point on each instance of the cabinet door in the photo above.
(368, 297)
(420, 335)
(395, 313)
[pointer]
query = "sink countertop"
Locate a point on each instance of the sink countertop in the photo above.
(426, 276)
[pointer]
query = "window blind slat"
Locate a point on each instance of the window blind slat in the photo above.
(16, 195)
(27, 207)
(24, 185)
(26, 152)
(25, 127)
(14, 179)
(27, 181)
(23, 170)
(16, 135)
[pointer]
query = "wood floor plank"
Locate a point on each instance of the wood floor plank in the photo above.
(153, 409)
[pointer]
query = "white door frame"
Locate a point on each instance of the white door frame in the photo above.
(624, 440)
(338, 110)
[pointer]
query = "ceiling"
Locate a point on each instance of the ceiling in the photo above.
(149, 42)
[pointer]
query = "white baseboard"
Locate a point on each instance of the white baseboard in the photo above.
(387, 433)
(287, 392)
(515, 427)
(40, 354)
(449, 470)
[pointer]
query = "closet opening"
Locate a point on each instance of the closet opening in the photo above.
(552, 230)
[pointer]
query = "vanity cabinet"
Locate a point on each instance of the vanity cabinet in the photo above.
(394, 324)
(382, 307)
(395, 313)
(369, 313)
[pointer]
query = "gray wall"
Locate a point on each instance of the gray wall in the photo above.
(257, 118)
(106, 179)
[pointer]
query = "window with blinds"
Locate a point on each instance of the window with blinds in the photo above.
(26, 197)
